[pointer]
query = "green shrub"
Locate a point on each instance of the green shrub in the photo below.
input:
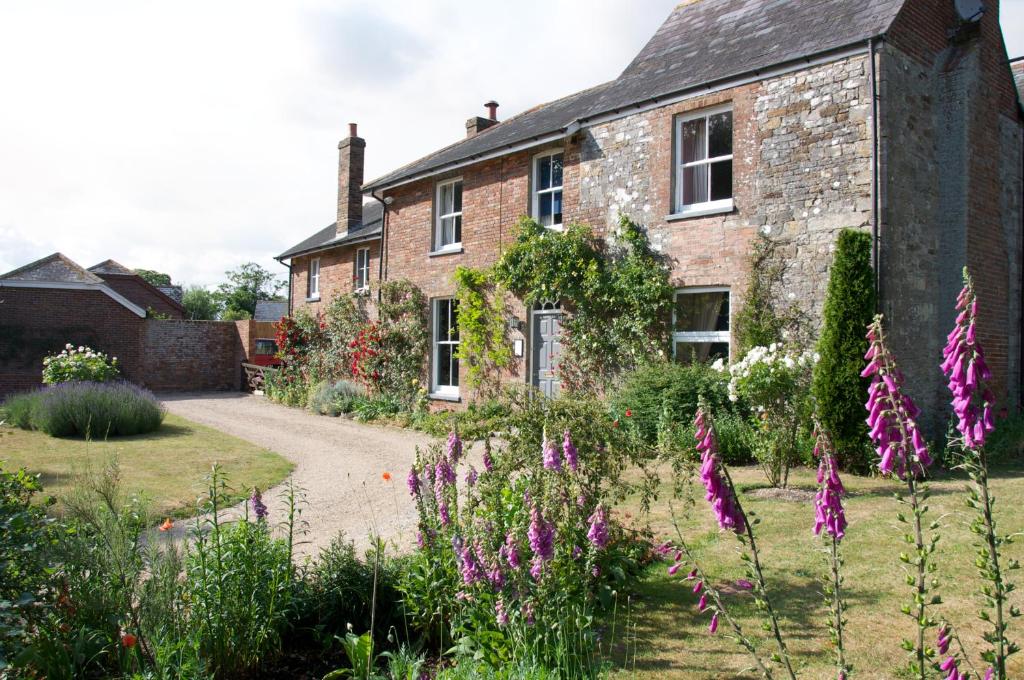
(838, 389)
(334, 399)
(78, 364)
(375, 408)
(1006, 444)
(84, 409)
(670, 390)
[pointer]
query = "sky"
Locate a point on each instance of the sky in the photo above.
(193, 136)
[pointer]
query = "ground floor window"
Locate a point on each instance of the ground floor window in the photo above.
(446, 346)
(700, 324)
(362, 275)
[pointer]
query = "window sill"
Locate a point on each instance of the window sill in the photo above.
(313, 298)
(447, 250)
(440, 396)
(702, 212)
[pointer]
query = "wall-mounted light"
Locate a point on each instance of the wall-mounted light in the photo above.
(514, 323)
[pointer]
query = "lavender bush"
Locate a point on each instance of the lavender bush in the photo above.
(87, 409)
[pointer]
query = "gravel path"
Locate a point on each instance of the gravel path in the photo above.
(339, 463)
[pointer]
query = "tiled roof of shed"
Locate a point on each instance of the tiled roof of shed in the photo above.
(702, 42)
(328, 237)
(56, 268)
(110, 267)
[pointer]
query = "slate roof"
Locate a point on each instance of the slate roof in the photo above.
(328, 237)
(110, 267)
(270, 310)
(56, 268)
(702, 42)
(1017, 66)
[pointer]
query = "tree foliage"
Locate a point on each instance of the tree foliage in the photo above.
(154, 278)
(247, 285)
(617, 294)
(838, 388)
(200, 304)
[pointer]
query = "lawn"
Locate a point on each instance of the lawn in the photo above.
(671, 639)
(167, 466)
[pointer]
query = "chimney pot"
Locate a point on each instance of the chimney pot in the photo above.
(492, 109)
(352, 130)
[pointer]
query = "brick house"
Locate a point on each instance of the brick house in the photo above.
(795, 119)
(137, 289)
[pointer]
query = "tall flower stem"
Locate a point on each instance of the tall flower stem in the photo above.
(716, 597)
(759, 577)
(837, 606)
(920, 588)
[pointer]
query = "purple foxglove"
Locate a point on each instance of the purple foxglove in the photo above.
(719, 494)
(258, 508)
(454, 448)
(828, 504)
(598, 532)
(570, 453)
(551, 459)
(541, 535)
(713, 626)
(964, 364)
(413, 482)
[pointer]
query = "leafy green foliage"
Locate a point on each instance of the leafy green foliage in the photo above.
(200, 304)
(76, 364)
(154, 278)
(245, 286)
(404, 319)
(85, 409)
(483, 343)
(764, 317)
(333, 399)
(838, 389)
(618, 296)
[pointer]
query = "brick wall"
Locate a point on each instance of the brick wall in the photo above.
(180, 355)
(161, 354)
(137, 290)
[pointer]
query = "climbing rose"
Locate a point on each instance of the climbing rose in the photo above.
(569, 450)
(598, 532)
(967, 371)
(552, 461)
(892, 414)
(828, 503)
(258, 508)
(719, 493)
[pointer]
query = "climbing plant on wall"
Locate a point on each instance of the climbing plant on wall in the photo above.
(483, 338)
(616, 292)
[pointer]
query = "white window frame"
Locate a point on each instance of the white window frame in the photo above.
(698, 337)
(436, 389)
(536, 193)
(455, 246)
(313, 280)
(362, 270)
(709, 206)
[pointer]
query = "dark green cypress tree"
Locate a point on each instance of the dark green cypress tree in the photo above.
(839, 391)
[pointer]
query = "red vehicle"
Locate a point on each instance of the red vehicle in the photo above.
(266, 353)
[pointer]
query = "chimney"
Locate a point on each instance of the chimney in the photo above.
(351, 151)
(478, 124)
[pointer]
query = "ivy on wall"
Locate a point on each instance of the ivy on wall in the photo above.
(483, 339)
(617, 295)
(764, 316)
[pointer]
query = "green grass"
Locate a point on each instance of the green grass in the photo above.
(671, 638)
(168, 466)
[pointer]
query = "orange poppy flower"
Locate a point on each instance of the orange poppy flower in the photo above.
(386, 476)
(167, 525)
(128, 640)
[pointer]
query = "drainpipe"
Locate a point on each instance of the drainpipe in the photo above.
(381, 272)
(289, 265)
(875, 179)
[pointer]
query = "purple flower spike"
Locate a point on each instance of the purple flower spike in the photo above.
(719, 493)
(713, 626)
(828, 503)
(541, 535)
(258, 508)
(891, 420)
(570, 453)
(598, 532)
(744, 584)
(552, 461)
(413, 482)
(454, 449)
(964, 364)
(488, 462)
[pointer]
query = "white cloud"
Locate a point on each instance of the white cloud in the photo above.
(194, 136)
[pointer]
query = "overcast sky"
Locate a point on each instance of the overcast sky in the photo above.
(190, 137)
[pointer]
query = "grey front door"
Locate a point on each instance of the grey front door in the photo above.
(547, 347)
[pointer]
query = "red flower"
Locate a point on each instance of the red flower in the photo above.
(128, 640)
(386, 476)
(629, 413)
(615, 423)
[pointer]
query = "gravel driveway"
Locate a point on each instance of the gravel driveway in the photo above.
(339, 463)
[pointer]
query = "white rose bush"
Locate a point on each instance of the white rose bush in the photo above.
(79, 364)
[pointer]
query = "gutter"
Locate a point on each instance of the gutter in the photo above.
(381, 271)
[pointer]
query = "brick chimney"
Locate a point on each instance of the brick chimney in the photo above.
(351, 151)
(478, 124)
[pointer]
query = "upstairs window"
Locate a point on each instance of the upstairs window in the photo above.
(446, 348)
(448, 221)
(313, 284)
(362, 275)
(700, 325)
(704, 162)
(547, 189)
